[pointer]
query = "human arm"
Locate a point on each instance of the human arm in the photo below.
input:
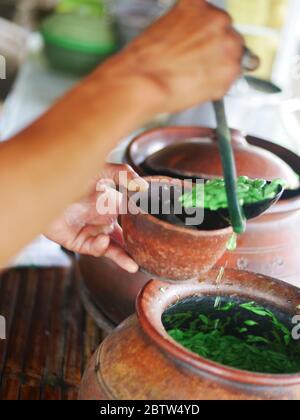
(189, 56)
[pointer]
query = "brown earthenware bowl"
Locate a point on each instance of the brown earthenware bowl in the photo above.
(169, 251)
(140, 361)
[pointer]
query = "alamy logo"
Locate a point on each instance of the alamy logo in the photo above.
(2, 328)
(296, 329)
(2, 67)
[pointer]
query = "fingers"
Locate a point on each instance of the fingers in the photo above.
(234, 45)
(219, 18)
(250, 61)
(95, 246)
(124, 176)
(119, 256)
(107, 246)
(102, 246)
(191, 55)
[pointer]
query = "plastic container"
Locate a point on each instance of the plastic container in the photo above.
(78, 43)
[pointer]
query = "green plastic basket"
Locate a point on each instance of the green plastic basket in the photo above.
(78, 43)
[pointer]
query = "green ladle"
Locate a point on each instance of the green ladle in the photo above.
(250, 62)
(236, 215)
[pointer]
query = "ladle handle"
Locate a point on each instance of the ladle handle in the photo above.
(237, 217)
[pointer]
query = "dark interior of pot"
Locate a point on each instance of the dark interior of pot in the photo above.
(236, 333)
(162, 202)
(173, 173)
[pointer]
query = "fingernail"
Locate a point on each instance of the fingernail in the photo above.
(132, 267)
(250, 61)
(138, 184)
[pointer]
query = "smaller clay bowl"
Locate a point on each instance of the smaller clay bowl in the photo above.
(172, 252)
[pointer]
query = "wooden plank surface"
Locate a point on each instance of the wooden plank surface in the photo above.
(49, 335)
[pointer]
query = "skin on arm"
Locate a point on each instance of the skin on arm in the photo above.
(189, 56)
(49, 165)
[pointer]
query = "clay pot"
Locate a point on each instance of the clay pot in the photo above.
(139, 361)
(169, 251)
(270, 246)
(193, 151)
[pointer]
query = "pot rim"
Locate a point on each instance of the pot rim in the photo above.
(169, 226)
(206, 131)
(157, 296)
(283, 206)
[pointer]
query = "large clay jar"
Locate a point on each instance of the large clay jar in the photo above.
(140, 361)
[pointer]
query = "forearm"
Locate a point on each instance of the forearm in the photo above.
(50, 164)
(189, 56)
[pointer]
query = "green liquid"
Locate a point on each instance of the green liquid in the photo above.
(235, 333)
(249, 191)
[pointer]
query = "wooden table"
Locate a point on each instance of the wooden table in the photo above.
(49, 335)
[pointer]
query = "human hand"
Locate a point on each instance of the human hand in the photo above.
(87, 228)
(191, 55)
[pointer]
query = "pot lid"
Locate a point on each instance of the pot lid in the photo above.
(199, 157)
(81, 33)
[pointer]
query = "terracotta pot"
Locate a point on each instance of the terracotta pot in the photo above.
(169, 251)
(193, 151)
(270, 246)
(139, 361)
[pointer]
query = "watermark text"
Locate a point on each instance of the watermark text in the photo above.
(296, 329)
(2, 328)
(2, 67)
